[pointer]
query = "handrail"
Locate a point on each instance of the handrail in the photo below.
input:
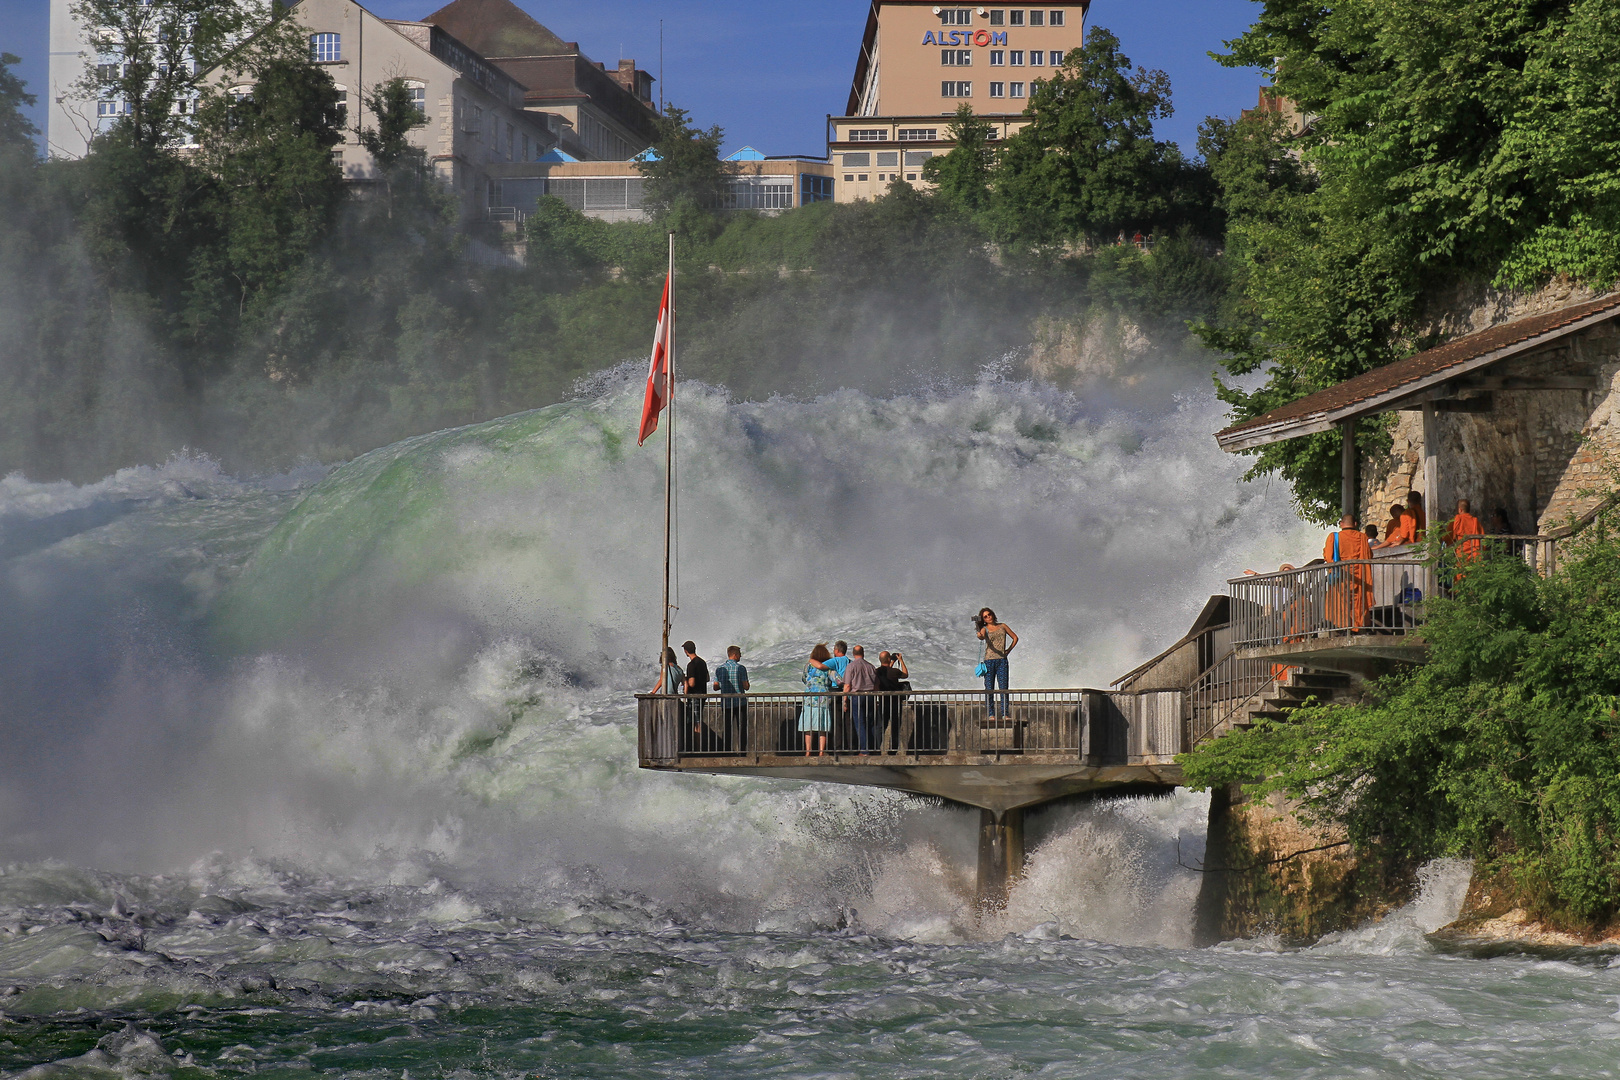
(1349, 597)
(1210, 708)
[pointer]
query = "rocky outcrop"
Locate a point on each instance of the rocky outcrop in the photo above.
(1070, 352)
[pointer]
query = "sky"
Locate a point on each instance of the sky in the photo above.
(770, 72)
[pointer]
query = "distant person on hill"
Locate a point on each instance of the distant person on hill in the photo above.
(1350, 593)
(815, 719)
(696, 688)
(860, 679)
(731, 681)
(999, 640)
(1463, 533)
(891, 680)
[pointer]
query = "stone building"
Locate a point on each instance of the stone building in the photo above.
(1519, 415)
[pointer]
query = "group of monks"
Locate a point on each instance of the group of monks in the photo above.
(1350, 595)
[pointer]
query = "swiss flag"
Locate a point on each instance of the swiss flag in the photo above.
(657, 372)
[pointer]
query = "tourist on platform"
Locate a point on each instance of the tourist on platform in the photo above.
(1350, 592)
(731, 680)
(860, 679)
(999, 640)
(673, 678)
(841, 736)
(815, 719)
(1372, 533)
(891, 680)
(667, 726)
(1463, 533)
(696, 688)
(1500, 525)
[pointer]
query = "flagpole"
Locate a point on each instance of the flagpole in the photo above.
(669, 447)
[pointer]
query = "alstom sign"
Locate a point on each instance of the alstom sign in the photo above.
(980, 38)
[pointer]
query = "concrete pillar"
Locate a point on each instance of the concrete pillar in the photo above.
(1349, 482)
(1214, 888)
(1431, 463)
(1001, 854)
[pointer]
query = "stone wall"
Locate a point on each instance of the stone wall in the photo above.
(1538, 454)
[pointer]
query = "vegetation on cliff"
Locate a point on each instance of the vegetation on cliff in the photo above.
(1474, 141)
(1505, 746)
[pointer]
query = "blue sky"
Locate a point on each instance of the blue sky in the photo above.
(769, 73)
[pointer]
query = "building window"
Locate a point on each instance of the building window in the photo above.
(475, 121)
(1015, 18)
(1037, 58)
(526, 156)
(1017, 89)
(418, 97)
(998, 89)
(337, 158)
(919, 134)
(1056, 57)
(997, 57)
(511, 141)
(951, 89)
(1037, 18)
(857, 161)
(1016, 57)
(917, 157)
(861, 176)
(888, 159)
(340, 103)
(849, 178)
(998, 17)
(106, 108)
(1056, 19)
(325, 48)
(108, 72)
(868, 134)
(956, 16)
(813, 188)
(956, 57)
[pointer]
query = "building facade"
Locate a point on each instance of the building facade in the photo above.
(919, 61)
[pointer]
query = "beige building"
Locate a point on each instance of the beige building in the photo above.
(919, 61)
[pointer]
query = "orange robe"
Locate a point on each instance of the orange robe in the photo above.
(1464, 532)
(1407, 531)
(1350, 593)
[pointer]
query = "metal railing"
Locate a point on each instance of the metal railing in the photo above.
(504, 213)
(1227, 692)
(1356, 596)
(919, 724)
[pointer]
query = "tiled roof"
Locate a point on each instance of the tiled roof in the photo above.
(1374, 390)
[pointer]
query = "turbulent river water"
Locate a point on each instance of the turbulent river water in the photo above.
(334, 772)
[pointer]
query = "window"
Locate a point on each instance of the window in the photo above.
(1056, 19)
(106, 108)
(418, 97)
(997, 57)
(475, 120)
(917, 157)
(241, 93)
(998, 18)
(325, 48)
(1017, 89)
(1037, 18)
(919, 134)
(814, 188)
(1056, 57)
(857, 161)
(849, 178)
(998, 89)
(1017, 57)
(888, 159)
(956, 57)
(1036, 58)
(108, 72)
(861, 176)
(337, 158)
(511, 141)
(955, 89)
(340, 104)
(1015, 18)
(868, 134)
(956, 16)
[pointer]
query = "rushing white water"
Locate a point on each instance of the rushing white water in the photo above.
(298, 772)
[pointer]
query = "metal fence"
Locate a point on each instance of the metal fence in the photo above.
(1229, 691)
(1356, 596)
(916, 724)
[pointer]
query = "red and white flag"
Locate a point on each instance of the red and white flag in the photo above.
(657, 372)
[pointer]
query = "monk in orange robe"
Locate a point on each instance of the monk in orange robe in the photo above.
(1412, 521)
(1350, 591)
(1463, 533)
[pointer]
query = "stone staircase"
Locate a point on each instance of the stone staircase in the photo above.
(1300, 687)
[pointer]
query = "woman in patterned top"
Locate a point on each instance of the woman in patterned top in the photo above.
(815, 720)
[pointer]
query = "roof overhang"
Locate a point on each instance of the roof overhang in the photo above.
(1408, 394)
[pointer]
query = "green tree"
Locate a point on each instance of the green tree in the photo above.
(684, 171)
(1087, 165)
(148, 56)
(17, 132)
(1471, 141)
(962, 177)
(389, 142)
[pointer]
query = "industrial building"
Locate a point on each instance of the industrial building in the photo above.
(919, 61)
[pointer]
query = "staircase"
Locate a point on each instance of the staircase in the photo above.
(1235, 694)
(1298, 688)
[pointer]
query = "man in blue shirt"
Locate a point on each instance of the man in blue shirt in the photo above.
(731, 678)
(841, 734)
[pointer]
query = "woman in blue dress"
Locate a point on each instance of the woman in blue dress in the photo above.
(815, 719)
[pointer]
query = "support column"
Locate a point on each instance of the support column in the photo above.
(1349, 481)
(1001, 854)
(1431, 462)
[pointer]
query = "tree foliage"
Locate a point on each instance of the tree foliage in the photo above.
(1505, 746)
(1473, 141)
(16, 130)
(962, 177)
(684, 171)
